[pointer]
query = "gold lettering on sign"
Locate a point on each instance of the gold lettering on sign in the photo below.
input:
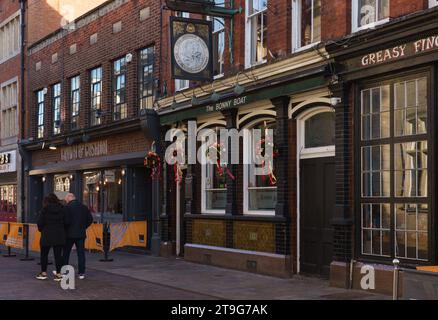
(86, 150)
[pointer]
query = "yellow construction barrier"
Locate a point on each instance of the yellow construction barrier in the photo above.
(128, 234)
(4, 226)
(15, 236)
(428, 268)
(34, 238)
(94, 239)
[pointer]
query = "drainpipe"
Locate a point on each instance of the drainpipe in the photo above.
(22, 151)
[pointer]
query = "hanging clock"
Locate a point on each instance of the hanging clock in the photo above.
(191, 49)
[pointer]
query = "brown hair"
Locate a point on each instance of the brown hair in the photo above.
(50, 199)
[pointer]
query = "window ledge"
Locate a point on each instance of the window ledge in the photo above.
(370, 26)
(304, 48)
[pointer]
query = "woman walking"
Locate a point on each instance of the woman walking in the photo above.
(52, 224)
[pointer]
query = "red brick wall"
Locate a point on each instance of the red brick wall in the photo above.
(335, 19)
(400, 8)
(135, 35)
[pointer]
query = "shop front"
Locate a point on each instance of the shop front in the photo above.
(106, 174)
(389, 91)
(8, 186)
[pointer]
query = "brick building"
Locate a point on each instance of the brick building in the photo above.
(88, 84)
(304, 66)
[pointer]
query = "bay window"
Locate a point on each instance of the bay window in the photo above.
(256, 49)
(394, 202)
(306, 23)
(369, 13)
(56, 96)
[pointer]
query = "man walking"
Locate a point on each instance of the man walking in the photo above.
(78, 219)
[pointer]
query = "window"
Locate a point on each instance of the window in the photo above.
(103, 194)
(146, 78)
(96, 96)
(320, 130)
(256, 51)
(8, 200)
(120, 109)
(369, 13)
(181, 85)
(10, 38)
(214, 186)
(433, 3)
(260, 191)
(62, 184)
(40, 114)
(8, 104)
(218, 43)
(56, 94)
(307, 23)
(75, 101)
(394, 169)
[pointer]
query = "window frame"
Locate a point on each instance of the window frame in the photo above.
(96, 95)
(9, 108)
(142, 82)
(56, 108)
(74, 104)
(248, 35)
(392, 141)
(40, 104)
(123, 106)
(355, 17)
(296, 27)
(16, 32)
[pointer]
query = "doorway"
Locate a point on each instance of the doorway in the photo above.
(317, 192)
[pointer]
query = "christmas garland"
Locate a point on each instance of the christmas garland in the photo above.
(219, 148)
(260, 150)
(152, 161)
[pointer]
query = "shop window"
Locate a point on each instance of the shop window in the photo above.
(260, 190)
(103, 194)
(40, 114)
(75, 101)
(369, 13)
(256, 49)
(306, 23)
(8, 202)
(62, 184)
(214, 185)
(56, 107)
(120, 108)
(146, 78)
(394, 169)
(8, 104)
(96, 96)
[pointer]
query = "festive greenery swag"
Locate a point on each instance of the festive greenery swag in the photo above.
(218, 148)
(269, 163)
(177, 170)
(152, 161)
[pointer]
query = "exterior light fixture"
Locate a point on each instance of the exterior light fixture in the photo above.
(43, 179)
(52, 147)
(85, 138)
(215, 97)
(123, 172)
(195, 101)
(174, 103)
(238, 90)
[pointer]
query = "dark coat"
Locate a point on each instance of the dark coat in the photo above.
(52, 224)
(79, 219)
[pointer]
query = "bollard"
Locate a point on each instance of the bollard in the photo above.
(106, 243)
(395, 281)
(26, 248)
(9, 254)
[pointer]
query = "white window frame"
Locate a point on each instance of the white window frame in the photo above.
(433, 3)
(355, 16)
(4, 24)
(248, 31)
(296, 27)
(247, 157)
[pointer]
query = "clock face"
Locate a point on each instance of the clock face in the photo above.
(191, 53)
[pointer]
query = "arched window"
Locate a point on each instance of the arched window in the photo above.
(260, 185)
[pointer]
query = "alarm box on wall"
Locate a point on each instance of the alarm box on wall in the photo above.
(192, 54)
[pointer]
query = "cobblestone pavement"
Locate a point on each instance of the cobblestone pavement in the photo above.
(143, 277)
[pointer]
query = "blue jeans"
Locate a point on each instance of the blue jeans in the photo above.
(80, 248)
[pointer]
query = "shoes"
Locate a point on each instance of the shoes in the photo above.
(42, 276)
(82, 276)
(58, 277)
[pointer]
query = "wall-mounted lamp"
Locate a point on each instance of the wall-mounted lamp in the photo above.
(238, 89)
(53, 147)
(123, 172)
(215, 97)
(43, 179)
(85, 138)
